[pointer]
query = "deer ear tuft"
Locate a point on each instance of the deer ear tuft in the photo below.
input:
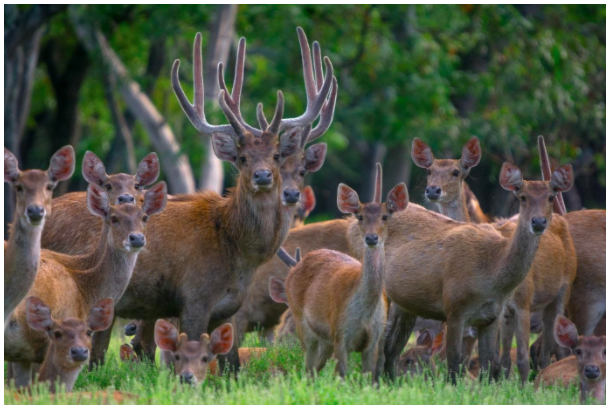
(347, 199)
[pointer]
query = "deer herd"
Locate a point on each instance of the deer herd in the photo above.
(198, 271)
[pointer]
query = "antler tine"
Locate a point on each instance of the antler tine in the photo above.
(546, 173)
(238, 128)
(305, 132)
(315, 99)
(326, 115)
(195, 112)
(377, 193)
(274, 127)
(317, 64)
(261, 117)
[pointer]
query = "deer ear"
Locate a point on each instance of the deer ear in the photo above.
(471, 154)
(511, 177)
(397, 199)
(62, 164)
(422, 154)
(425, 339)
(565, 332)
(155, 198)
(562, 179)
(308, 199)
(101, 314)
(166, 335)
(221, 340)
(315, 157)
(97, 201)
(290, 142)
(438, 342)
(127, 353)
(11, 167)
(38, 314)
(148, 170)
(277, 290)
(94, 171)
(347, 199)
(225, 147)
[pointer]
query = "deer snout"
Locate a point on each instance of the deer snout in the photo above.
(187, 378)
(371, 239)
(136, 240)
(131, 329)
(433, 192)
(79, 354)
(263, 177)
(290, 196)
(591, 372)
(126, 199)
(538, 225)
(35, 213)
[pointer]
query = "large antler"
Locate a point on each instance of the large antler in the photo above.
(328, 109)
(546, 173)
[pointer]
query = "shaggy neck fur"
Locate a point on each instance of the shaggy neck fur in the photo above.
(593, 389)
(456, 209)
(371, 285)
(51, 371)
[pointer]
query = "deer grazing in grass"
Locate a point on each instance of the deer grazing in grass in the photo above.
(338, 303)
(69, 339)
(70, 285)
(586, 365)
(33, 193)
(460, 272)
(207, 247)
(420, 357)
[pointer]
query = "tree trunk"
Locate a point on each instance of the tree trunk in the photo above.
(176, 167)
(219, 44)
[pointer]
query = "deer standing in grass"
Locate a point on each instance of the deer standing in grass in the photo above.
(206, 248)
(69, 339)
(33, 193)
(70, 285)
(460, 272)
(339, 303)
(586, 366)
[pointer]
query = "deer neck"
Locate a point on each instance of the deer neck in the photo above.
(109, 272)
(593, 389)
(51, 371)
(456, 209)
(22, 256)
(519, 256)
(371, 285)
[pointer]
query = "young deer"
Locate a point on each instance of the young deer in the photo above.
(191, 359)
(418, 358)
(587, 365)
(207, 247)
(460, 272)
(71, 209)
(69, 339)
(306, 205)
(71, 285)
(339, 303)
(33, 193)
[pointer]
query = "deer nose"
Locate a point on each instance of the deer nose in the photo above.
(371, 239)
(187, 378)
(130, 329)
(291, 196)
(137, 240)
(538, 224)
(592, 372)
(126, 199)
(433, 192)
(35, 213)
(79, 354)
(263, 177)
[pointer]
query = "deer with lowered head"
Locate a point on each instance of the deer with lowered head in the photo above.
(460, 272)
(69, 339)
(207, 247)
(33, 193)
(338, 303)
(586, 365)
(71, 284)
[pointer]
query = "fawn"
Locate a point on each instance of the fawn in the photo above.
(461, 272)
(70, 284)
(338, 303)
(69, 339)
(587, 364)
(191, 359)
(416, 359)
(33, 193)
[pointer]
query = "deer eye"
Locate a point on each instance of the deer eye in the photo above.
(137, 186)
(277, 157)
(177, 357)
(50, 187)
(89, 332)
(455, 173)
(551, 198)
(18, 188)
(359, 217)
(385, 217)
(57, 335)
(145, 218)
(243, 160)
(409, 362)
(522, 198)
(578, 352)
(114, 220)
(302, 172)
(428, 172)
(205, 359)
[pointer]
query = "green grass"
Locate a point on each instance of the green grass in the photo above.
(259, 384)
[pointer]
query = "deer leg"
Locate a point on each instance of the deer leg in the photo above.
(507, 331)
(369, 359)
(586, 316)
(522, 339)
(398, 330)
(341, 354)
(488, 352)
(325, 351)
(454, 347)
(548, 344)
(23, 373)
(312, 357)
(99, 345)
(146, 331)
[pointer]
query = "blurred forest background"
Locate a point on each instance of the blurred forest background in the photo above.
(98, 77)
